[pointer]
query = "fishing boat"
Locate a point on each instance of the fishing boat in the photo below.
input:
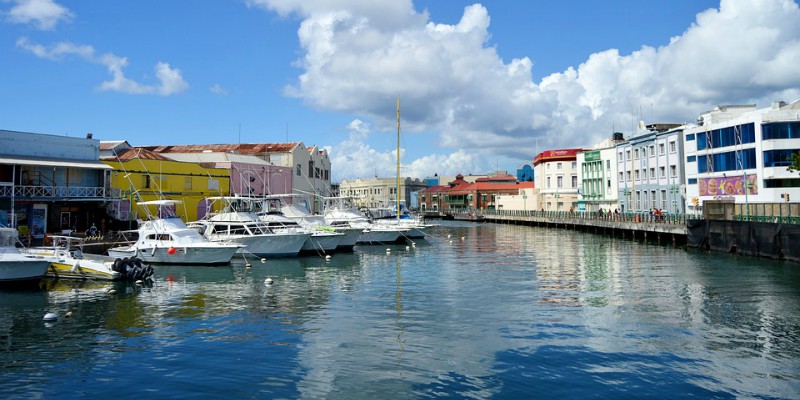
(340, 211)
(16, 266)
(303, 217)
(167, 240)
(68, 261)
(269, 210)
(236, 223)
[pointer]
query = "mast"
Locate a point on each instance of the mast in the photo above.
(397, 188)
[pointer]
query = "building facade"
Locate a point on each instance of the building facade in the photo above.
(650, 170)
(741, 154)
(556, 174)
(375, 193)
(597, 177)
(51, 183)
(460, 195)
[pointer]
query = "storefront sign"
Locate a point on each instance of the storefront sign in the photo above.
(727, 186)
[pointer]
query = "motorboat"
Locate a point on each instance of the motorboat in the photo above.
(165, 239)
(269, 210)
(416, 225)
(236, 223)
(317, 222)
(68, 261)
(16, 266)
(341, 212)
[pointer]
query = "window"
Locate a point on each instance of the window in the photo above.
(628, 154)
(778, 158)
(652, 173)
(691, 159)
(663, 198)
(690, 137)
(558, 166)
(726, 136)
(608, 164)
(299, 170)
(672, 147)
(637, 175)
(781, 130)
(644, 174)
(636, 154)
(662, 172)
(652, 150)
(574, 165)
(661, 148)
(721, 162)
(628, 174)
(693, 181)
(574, 181)
(673, 171)
(548, 182)
(619, 157)
(560, 181)
(620, 177)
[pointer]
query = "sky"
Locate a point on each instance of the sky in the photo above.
(482, 86)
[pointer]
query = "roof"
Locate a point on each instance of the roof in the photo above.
(241, 148)
(110, 144)
(52, 162)
(134, 154)
(556, 155)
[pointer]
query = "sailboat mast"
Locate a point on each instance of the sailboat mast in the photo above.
(397, 188)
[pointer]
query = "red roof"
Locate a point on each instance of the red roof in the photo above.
(136, 153)
(556, 155)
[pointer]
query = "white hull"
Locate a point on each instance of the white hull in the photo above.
(21, 268)
(322, 242)
(350, 237)
(192, 255)
(277, 245)
(377, 236)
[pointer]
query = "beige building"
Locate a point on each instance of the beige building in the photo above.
(527, 199)
(556, 176)
(380, 192)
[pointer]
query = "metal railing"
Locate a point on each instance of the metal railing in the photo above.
(645, 217)
(83, 192)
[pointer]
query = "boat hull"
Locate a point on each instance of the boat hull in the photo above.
(350, 237)
(24, 269)
(322, 242)
(83, 270)
(380, 236)
(194, 255)
(270, 245)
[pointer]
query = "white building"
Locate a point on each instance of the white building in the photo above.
(740, 153)
(380, 192)
(556, 175)
(526, 199)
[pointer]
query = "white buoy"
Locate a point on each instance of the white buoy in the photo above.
(328, 257)
(68, 314)
(50, 317)
(263, 260)
(111, 291)
(247, 265)
(408, 247)
(413, 244)
(462, 238)
(139, 282)
(268, 281)
(451, 242)
(388, 249)
(448, 236)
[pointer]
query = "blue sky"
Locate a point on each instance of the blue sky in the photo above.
(482, 85)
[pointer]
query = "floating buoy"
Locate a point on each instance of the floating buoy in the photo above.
(263, 260)
(408, 247)
(171, 251)
(388, 249)
(247, 265)
(68, 314)
(50, 317)
(462, 238)
(139, 282)
(451, 242)
(448, 236)
(268, 281)
(111, 291)
(328, 257)
(413, 244)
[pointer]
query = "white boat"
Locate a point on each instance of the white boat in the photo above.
(340, 212)
(245, 228)
(68, 261)
(321, 240)
(16, 266)
(167, 240)
(317, 222)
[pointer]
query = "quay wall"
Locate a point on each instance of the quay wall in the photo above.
(774, 240)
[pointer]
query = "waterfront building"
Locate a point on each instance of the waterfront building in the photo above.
(597, 177)
(740, 154)
(51, 183)
(460, 195)
(526, 199)
(311, 166)
(556, 174)
(650, 169)
(143, 175)
(374, 193)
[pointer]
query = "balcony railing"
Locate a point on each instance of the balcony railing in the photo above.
(59, 192)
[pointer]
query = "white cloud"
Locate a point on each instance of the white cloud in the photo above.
(44, 14)
(453, 83)
(217, 89)
(169, 79)
(355, 158)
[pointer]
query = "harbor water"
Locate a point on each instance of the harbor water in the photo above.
(479, 311)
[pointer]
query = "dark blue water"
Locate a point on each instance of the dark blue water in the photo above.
(506, 312)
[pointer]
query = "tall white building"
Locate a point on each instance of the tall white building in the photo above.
(556, 175)
(740, 153)
(597, 177)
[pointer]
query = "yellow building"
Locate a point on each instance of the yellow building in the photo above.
(144, 176)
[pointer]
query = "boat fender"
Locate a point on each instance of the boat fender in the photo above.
(137, 261)
(118, 265)
(149, 272)
(76, 267)
(153, 253)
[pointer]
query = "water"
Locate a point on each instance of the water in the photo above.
(507, 312)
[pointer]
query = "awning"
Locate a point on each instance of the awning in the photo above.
(53, 162)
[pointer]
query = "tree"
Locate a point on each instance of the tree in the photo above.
(795, 167)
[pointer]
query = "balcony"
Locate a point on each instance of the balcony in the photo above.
(59, 192)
